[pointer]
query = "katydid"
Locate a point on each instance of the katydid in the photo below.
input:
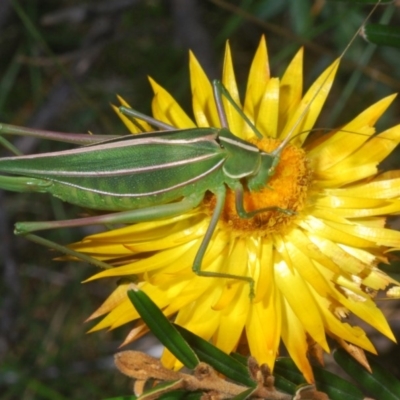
(146, 177)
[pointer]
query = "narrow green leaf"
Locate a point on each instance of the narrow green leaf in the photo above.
(384, 35)
(194, 396)
(335, 387)
(180, 394)
(284, 384)
(380, 384)
(287, 369)
(175, 395)
(165, 390)
(219, 360)
(241, 358)
(163, 329)
(131, 397)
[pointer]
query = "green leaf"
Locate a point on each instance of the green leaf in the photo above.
(129, 397)
(284, 384)
(384, 35)
(287, 369)
(165, 390)
(174, 395)
(335, 387)
(380, 384)
(180, 394)
(194, 396)
(241, 358)
(219, 360)
(162, 328)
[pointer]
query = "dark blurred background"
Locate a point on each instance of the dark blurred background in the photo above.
(61, 64)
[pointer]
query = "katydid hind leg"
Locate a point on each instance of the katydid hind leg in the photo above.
(23, 184)
(220, 196)
(124, 217)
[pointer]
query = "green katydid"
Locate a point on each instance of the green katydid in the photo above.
(145, 177)
(148, 176)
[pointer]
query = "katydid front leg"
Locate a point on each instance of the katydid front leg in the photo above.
(220, 195)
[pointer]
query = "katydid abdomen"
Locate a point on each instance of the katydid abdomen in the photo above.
(125, 175)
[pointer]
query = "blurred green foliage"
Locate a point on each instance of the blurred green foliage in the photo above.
(62, 64)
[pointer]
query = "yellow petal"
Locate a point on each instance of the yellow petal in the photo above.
(261, 266)
(238, 252)
(138, 331)
(204, 108)
(258, 78)
(314, 252)
(334, 326)
(235, 120)
(297, 294)
(193, 317)
(232, 322)
(166, 109)
(336, 233)
(383, 187)
(308, 109)
(263, 328)
(117, 297)
(267, 120)
(125, 310)
(381, 236)
(295, 339)
(368, 311)
(350, 137)
(128, 122)
(158, 260)
(291, 90)
(376, 149)
(335, 202)
(308, 271)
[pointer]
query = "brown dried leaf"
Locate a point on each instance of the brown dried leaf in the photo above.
(309, 392)
(315, 350)
(141, 366)
(357, 353)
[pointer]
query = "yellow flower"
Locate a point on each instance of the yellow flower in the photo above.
(310, 269)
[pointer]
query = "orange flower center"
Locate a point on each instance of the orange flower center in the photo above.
(286, 189)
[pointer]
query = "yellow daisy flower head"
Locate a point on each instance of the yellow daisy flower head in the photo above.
(310, 267)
